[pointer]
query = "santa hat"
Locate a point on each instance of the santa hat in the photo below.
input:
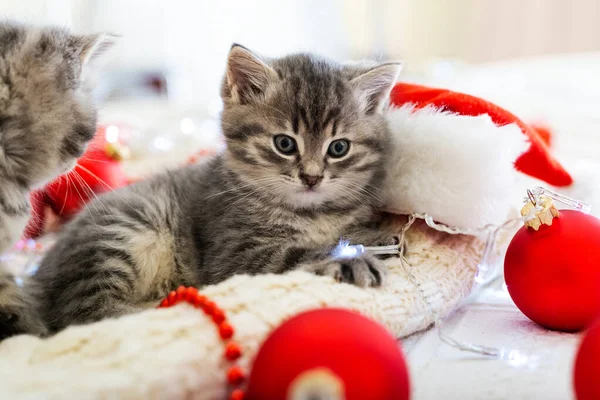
(457, 157)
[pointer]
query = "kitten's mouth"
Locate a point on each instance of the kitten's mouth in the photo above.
(308, 197)
(310, 190)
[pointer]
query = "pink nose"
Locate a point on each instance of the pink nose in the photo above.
(311, 180)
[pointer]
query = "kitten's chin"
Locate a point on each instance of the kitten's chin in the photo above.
(307, 199)
(68, 167)
(62, 169)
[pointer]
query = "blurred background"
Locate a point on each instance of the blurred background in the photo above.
(534, 57)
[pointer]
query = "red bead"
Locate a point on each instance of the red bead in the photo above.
(190, 294)
(164, 303)
(233, 351)
(209, 307)
(237, 394)
(218, 315)
(199, 301)
(171, 298)
(235, 375)
(180, 293)
(225, 330)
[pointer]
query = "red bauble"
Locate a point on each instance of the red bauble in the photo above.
(553, 274)
(331, 351)
(587, 366)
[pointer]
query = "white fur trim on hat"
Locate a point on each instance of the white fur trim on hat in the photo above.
(458, 169)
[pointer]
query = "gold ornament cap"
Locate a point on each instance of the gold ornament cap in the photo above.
(539, 211)
(117, 151)
(317, 383)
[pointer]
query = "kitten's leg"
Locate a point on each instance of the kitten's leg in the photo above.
(18, 311)
(280, 257)
(116, 258)
(371, 235)
(14, 212)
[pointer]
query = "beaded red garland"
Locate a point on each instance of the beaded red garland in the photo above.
(235, 374)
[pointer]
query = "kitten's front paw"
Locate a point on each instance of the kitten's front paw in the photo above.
(9, 324)
(17, 312)
(363, 271)
(373, 237)
(387, 240)
(19, 320)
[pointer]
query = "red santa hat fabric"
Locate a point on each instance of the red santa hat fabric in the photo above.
(536, 161)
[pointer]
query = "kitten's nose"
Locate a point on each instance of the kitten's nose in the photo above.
(311, 180)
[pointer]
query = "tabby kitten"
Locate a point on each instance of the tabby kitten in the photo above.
(305, 156)
(46, 119)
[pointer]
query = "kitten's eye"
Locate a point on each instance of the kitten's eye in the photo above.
(338, 148)
(285, 144)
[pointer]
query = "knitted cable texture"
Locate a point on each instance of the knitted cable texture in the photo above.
(177, 353)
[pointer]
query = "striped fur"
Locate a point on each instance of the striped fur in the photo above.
(46, 120)
(244, 211)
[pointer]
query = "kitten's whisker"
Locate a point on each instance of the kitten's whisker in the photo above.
(95, 160)
(241, 186)
(83, 201)
(347, 192)
(268, 185)
(107, 186)
(68, 182)
(91, 193)
(90, 203)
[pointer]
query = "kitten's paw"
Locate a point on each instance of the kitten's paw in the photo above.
(9, 324)
(17, 312)
(18, 320)
(373, 237)
(363, 271)
(387, 240)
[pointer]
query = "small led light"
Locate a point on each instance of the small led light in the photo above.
(345, 250)
(162, 143)
(187, 126)
(515, 358)
(112, 134)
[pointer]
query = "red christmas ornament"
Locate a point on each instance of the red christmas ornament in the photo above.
(332, 353)
(587, 366)
(553, 274)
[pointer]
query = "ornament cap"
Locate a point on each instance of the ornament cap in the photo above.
(317, 383)
(539, 211)
(117, 151)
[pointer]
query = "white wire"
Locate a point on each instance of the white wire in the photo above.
(513, 356)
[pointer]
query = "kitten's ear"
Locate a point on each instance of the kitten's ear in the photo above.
(92, 46)
(88, 48)
(246, 75)
(373, 86)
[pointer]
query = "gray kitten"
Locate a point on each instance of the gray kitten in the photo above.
(305, 156)
(46, 120)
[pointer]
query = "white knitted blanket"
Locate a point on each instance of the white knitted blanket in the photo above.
(177, 353)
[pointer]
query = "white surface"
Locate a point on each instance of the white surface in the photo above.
(564, 91)
(539, 369)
